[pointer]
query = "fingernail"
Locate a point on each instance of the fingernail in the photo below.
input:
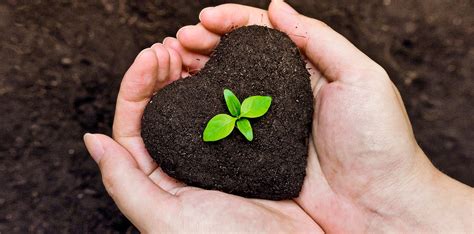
(286, 7)
(94, 146)
(203, 10)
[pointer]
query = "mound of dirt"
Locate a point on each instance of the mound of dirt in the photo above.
(250, 61)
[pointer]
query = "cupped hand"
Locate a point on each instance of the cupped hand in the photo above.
(366, 172)
(149, 198)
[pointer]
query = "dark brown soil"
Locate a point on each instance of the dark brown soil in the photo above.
(62, 61)
(250, 61)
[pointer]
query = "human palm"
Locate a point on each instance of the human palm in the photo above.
(213, 211)
(363, 154)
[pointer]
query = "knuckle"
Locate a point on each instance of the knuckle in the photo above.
(136, 89)
(161, 51)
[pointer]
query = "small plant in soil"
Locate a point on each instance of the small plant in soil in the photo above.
(179, 125)
(222, 125)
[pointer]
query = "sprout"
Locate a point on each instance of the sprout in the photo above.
(222, 125)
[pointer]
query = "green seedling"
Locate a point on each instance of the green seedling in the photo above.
(222, 125)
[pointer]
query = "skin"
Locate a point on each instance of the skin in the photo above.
(366, 172)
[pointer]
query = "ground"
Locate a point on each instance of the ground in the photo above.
(62, 61)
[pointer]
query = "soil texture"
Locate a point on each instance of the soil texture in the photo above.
(249, 61)
(62, 62)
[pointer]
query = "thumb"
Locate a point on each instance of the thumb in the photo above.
(332, 54)
(131, 189)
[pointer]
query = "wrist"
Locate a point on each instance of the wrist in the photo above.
(429, 201)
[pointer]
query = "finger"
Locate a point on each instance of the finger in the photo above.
(176, 64)
(133, 192)
(315, 75)
(197, 39)
(317, 86)
(164, 181)
(192, 62)
(163, 58)
(136, 89)
(334, 55)
(224, 18)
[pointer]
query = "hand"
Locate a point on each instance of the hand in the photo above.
(153, 201)
(366, 173)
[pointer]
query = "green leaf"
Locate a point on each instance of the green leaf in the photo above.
(219, 127)
(233, 103)
(245, 128)
(255, 106)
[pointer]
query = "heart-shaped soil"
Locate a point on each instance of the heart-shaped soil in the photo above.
(250, 61)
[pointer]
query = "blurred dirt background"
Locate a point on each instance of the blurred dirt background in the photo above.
(62, 62)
